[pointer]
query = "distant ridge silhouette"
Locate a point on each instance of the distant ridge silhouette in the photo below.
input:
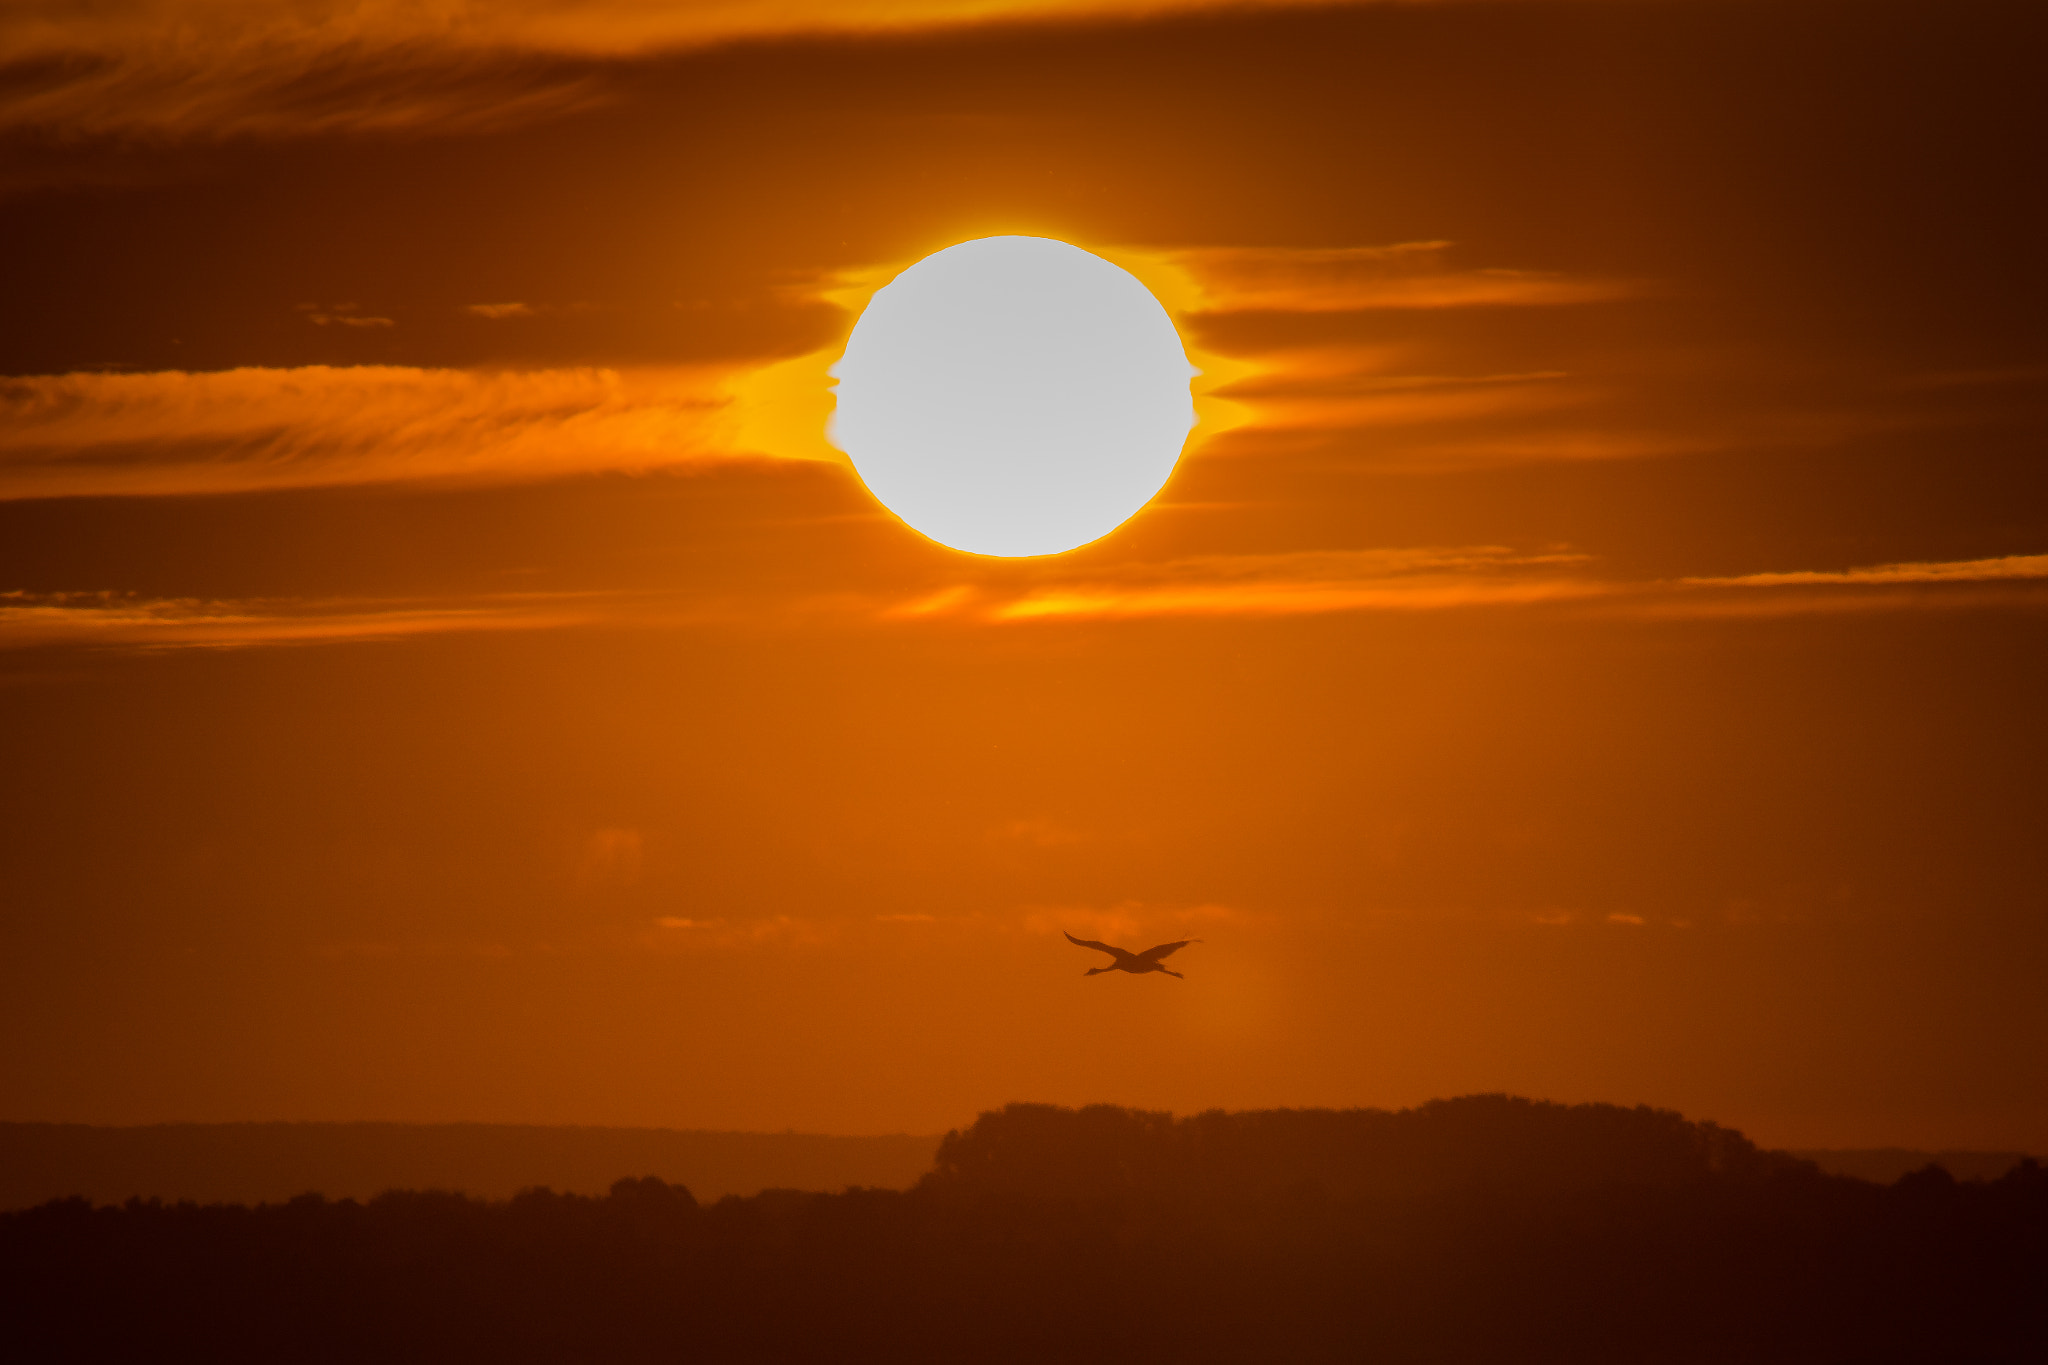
(249, 1163)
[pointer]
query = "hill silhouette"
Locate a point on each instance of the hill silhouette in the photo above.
(1446, 1144)
(1482, 1229)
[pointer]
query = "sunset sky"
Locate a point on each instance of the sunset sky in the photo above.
(1592, 646)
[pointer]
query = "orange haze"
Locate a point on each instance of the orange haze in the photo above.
(1593, 647)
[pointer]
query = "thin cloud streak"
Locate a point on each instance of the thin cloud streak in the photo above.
(118, 621)
(1408, 275)
(1838, 600)
(173, 432)
(122, 621)
(1942, 571)
(1312, 394)
(277, 84)
(1411, 397)
(1244, 586)
(1429, 580)
(679, 933)
(2006, 583)
(1423, 593)
(1272, 585)
(203, 69)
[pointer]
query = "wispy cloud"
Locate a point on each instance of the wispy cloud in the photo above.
(127, 621)
(1436, 579)
(173, 432)
(1938, 571)
(1240, 585)
(258, 68)
(1409, 275)
(1272, 585)
(118, 620)
(1422, 593)
(342, 315)
(1334, 389)
(693, 933)
(218, 71)
(2009, 582)
(1131, 921)
(1419, 403)
(1387, 413)
(1218, 587)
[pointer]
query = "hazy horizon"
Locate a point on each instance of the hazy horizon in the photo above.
(1798, 1142)
(253, 1161)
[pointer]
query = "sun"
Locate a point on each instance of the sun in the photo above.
(1013, 396)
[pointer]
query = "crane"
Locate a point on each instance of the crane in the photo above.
(1137, 964)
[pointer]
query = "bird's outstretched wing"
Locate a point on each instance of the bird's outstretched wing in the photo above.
(1165, 950)
(1098, 947)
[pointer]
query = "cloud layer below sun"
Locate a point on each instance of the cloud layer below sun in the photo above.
(1371, 582)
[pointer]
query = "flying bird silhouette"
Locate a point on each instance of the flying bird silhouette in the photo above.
(1151, 960)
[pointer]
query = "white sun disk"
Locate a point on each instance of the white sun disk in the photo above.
(1013, 396)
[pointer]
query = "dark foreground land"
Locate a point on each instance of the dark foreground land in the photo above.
(1483, 1229)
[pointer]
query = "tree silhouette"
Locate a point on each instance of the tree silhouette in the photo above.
(1482, 1229)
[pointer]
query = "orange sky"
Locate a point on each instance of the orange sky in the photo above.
(1592, 647)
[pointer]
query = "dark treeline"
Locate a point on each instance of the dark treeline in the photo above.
(1482, 1229)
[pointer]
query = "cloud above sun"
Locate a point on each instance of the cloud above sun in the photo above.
(251, 68)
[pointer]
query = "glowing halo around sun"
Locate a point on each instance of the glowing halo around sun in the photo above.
(1013, 396)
